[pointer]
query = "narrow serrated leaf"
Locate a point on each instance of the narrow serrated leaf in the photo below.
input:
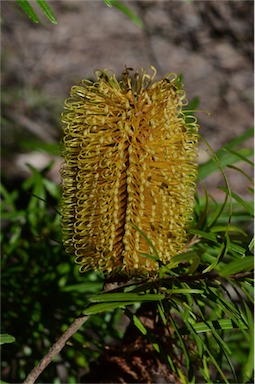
(47, 11)
(108, 3)
(82, 287)
(221, 253)
(237, 266)
(237, 248)
(251, 244)
(24, 4)
(249, 366)
(185, 291)
(226, 158)
(242, 172)
(103, 307)
(248, 205)
(131, 297)
(227, 228)
(148, 241)
(139, 325)
(127, 11)
(216, 324)
(204, 235)
(184, 257)
(239, 155)
(148, 256)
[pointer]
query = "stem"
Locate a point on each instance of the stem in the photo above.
(55, 349)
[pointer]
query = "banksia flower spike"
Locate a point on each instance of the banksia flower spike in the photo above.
(130, 162)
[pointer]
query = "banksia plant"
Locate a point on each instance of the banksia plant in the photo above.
(129, 172)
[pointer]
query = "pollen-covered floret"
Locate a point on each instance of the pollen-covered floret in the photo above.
(130, 161)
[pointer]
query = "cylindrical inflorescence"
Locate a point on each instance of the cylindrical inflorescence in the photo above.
(130, 162)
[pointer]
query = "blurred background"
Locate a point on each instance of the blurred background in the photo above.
(210, 43)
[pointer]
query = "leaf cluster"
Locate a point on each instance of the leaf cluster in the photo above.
(42, 290)
(203, 297)
(45, 7)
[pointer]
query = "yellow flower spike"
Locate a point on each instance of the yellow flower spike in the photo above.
(130, 161)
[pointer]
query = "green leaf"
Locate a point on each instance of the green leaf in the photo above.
(89, 286)
(248, 205)
(251, 245)
(24, 4)
(108, 3)
(184, 257)
(222, 252)
(103, 307)
(8, 199)
(228, 308)
(47, 10)
(131, 297)
(243, 173)
(227, 158)
(237, 248)
(202, 347)
(181, 341)
(249, 367)
(127, 11)
(185, 291)
(139, 325)
(5, 338)
(227, 228)
(51, 187)
(239, 155)
(220, 343)
(204, 235)
(163, 317)
(148, 256)
(109, 301)
(53, 149)
(28, 9)
(215, 362)
(148, 241)
(237, 266)
(216, 324)
(192, 106)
